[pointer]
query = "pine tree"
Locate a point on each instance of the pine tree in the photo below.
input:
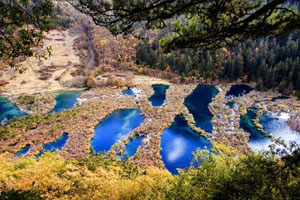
(260, 84)
(297, 87)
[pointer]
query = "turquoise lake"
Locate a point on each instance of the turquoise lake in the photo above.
(277, 125)
(8, 110)
(178, 142)
(257, 138)
(117, 126)
(197, 103)
(66, 100)
(159, 96)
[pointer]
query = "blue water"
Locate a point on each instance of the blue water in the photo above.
(178, 142)
(239, 90)
(132, 147)
(66, 100)
(8, 110)
(30, 103)
(197, 103)
(23, 151)
(280, 97)
(128, 92)
(116, 126)
(56, 145)
(230, 104)
(277, 125)
(159, 96)
(257, 138)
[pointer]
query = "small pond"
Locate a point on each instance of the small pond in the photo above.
(66, 100)
(132, 147)
(128, 92)
(178, 143)
(116, 126)
(280, 98)
(23, 151)
(197, 103)
(230, 104)
(135, 92)
(56, 145)
(8, 110)
(159, 96)
(239, 90)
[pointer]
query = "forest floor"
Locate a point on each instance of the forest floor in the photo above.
(45, 75)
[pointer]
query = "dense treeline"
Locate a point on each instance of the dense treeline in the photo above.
(269, 62)
(226, 175)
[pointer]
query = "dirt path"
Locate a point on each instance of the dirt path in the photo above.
(147, 80)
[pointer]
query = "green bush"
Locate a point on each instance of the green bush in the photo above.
(19, 195)
(297, 94)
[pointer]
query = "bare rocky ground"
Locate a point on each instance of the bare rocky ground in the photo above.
(45, 75)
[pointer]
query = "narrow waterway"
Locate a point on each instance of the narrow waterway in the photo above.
(23, 151)
(197, 103)
(54, 146)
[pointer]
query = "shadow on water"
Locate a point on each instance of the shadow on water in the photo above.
(56, 145)
(178, 143)
(116, 126)
(197, 103)
(159, 96)
(66, 100)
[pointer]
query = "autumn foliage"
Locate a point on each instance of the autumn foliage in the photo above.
(226, 175)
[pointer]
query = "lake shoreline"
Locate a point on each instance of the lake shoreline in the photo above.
(97, 103)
